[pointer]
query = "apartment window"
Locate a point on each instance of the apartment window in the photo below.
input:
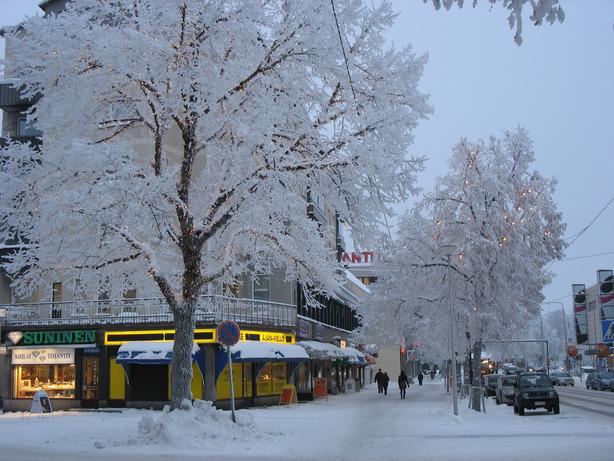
(231, 290)
(262, 287)
(27, 129)
(118, 112)
(103, 307)
(56, 297)
(129, 296)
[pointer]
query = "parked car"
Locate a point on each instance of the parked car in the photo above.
(561, 378)
(534, 390)
(509, 369)
(505, 389)
(490, 385)
(603, 381)
(590, 381)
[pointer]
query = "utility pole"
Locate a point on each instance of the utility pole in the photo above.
(447, 251)
(564, 330)
(541, 325)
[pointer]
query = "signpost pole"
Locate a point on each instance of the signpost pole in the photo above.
(228, 334)
(232, 387)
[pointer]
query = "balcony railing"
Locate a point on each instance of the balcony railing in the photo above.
(211, 309)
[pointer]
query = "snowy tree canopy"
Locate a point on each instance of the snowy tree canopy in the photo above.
(181, 139)
(501, 216)
(199, 127)
(541, 10)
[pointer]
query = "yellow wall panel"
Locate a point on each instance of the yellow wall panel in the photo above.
(222, 387)
(117, 381)
(197, 383)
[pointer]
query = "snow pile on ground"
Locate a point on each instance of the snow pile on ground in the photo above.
(200, 425)
(195, 426)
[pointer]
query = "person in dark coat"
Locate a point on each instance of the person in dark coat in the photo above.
(403, 384)
(420, 378)
(385, 383)
(433, 373)
(379, 379)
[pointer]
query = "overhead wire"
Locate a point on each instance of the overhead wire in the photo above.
(577, 236)
(585, 256)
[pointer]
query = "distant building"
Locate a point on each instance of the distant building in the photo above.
(594, 319)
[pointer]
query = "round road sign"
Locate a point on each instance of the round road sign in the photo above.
(228, 333)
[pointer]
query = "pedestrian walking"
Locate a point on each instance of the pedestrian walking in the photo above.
(403, 384)
(420, 378)
(379, 379)
(385, 383)
(433, 373)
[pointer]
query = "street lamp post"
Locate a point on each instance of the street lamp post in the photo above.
(541, 325)
(447, 251)
(564, 328)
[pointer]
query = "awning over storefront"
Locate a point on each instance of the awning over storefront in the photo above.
(354, 356)
(261, 352)
(322, 351)
(256, 351)
(154, 353)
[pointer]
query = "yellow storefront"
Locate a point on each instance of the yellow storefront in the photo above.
(270, 364)
(132, 380)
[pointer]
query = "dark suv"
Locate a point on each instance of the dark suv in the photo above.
(534, 390)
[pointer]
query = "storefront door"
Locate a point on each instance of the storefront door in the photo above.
(91, 375)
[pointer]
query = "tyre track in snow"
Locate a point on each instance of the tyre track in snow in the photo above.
(596, 402)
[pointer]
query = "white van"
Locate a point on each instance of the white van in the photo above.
(586, 369)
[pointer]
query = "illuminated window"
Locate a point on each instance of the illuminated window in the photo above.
(230, 290)
(58, 381)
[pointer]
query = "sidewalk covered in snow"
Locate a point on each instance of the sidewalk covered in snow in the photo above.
(361, 426)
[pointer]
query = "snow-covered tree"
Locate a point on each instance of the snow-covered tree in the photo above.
(548, 10)
(501, 216)
(181, 139)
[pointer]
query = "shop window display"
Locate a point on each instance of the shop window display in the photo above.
(264, 382)
(57, 380)
(272, 379)
(279, 374)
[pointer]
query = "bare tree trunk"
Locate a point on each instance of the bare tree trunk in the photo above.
(476, 394)
(181, 373)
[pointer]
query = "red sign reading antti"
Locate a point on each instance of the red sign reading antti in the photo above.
(357, 257)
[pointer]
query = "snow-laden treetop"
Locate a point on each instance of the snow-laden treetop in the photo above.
(181, 138)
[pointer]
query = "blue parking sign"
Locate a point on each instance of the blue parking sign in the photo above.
(607, 330)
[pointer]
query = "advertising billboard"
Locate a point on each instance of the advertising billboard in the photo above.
(605, 281)
(579, 309)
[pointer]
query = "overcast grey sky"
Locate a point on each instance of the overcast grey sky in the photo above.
(559, 85)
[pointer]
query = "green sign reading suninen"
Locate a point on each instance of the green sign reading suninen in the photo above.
(37, 338)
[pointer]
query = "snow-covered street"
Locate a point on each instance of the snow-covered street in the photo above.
(362, 426)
